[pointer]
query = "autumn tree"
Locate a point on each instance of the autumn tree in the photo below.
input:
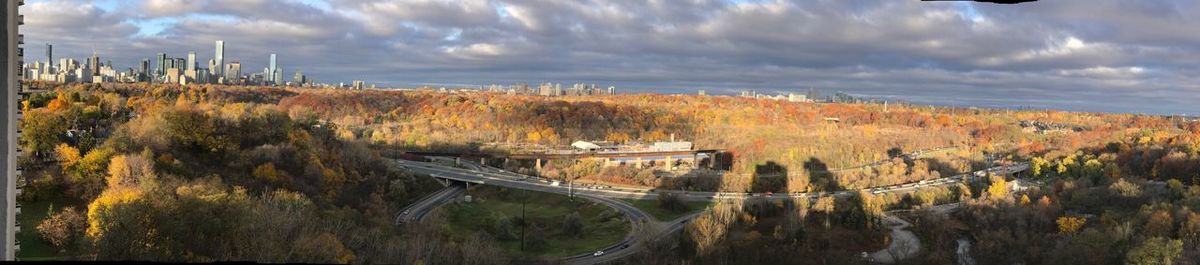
(63, 228)
(1068, 225)
(1155, 251)
(573, 225)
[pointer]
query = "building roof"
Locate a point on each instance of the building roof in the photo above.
(585, 145)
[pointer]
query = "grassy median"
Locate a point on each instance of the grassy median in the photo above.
(551, 227)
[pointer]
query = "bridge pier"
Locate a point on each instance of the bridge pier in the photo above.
(444, 182)
(668, 163)
(538, 166)
(483, 161)
(638, 162)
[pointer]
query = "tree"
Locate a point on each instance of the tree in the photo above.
(671, 202)
(266, 171)
(42, 130)
(62, 228)
(1155, 251)
(998, 189)
(67, 156)
(323, 248)
(130, 170)
(1036, 165)
(573, 225)
(1068, 225)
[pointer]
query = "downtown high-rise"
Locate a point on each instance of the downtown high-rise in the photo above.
(219, 60)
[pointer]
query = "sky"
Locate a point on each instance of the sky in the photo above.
(1136, 56)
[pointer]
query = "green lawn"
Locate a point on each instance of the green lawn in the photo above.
(603, 226)
(651, 207)
(33, 247)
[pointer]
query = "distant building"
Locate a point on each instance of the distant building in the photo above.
(797, 97)
(233, 71)
(299, 79)
(191, 63)
(219, 60)
(270, 72)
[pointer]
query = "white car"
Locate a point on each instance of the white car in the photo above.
(598, 253)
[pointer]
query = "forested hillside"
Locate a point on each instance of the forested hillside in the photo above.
(208, 173)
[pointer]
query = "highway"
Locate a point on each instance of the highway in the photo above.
(638, 219)
(417, 211)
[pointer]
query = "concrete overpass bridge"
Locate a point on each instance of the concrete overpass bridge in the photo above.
(705, 157)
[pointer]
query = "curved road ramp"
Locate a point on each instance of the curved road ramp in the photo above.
(904, 243)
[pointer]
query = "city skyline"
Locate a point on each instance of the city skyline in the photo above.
(931, 53)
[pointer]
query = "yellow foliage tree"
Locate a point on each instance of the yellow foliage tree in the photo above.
(1068, 225)
(67, 155)
(998, 189)
(267, 172)
(107, 200)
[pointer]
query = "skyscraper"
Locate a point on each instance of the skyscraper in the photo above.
(191, 61)
(233, 72)
(271, 70)
(144, 71)
(50, 55)
(94, 64)
(220, 59)
(162, 64)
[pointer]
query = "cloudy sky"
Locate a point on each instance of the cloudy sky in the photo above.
(1138, 56)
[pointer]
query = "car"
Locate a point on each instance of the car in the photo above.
(405, 212)
(625, 246)
(598, 253)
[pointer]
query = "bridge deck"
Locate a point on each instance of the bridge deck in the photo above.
(570, 155)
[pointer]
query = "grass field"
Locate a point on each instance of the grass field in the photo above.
(545, 235)
(651, 207)
(33, 247)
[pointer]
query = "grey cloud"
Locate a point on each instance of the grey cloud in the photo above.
(1076, 54)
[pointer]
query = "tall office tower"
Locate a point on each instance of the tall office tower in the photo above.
(50, 55)
(271, 70)
(181, 64)
(233, 72)
(212, 69)
(191, 61)
(94, 64)
(279, 77)
(219, 59)
(144, 71)
(10, 72)
(162, 64)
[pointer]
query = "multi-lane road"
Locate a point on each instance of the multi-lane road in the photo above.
(417, 211)
(638, 219)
